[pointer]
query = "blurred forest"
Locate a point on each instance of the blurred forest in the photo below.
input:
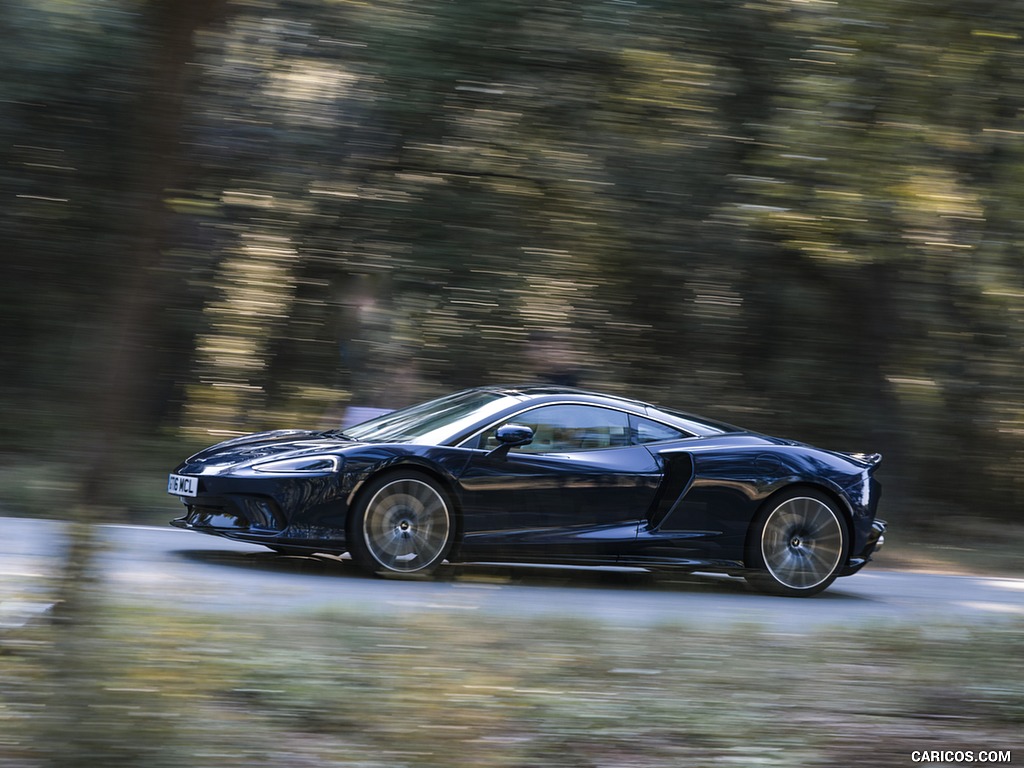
(802, 216)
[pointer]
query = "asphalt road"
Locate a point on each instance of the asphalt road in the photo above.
(200, 573)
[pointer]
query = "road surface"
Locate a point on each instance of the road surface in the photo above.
(194, 572)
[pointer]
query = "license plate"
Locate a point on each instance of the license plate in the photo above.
(180, 485)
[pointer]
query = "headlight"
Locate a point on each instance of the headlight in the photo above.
(313, 465)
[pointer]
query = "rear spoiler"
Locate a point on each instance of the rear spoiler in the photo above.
(871, 459)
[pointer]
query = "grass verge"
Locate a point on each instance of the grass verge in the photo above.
(132, 687)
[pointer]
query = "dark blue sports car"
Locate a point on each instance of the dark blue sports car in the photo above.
(544, 474)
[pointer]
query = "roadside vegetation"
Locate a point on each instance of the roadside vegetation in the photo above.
(228, 215)
(163, 688)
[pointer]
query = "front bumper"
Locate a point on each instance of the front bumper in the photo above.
(295, 512)
(233, 512)
(294, 537)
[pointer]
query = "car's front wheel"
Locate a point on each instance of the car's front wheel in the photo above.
(402, 525)
(797, 544)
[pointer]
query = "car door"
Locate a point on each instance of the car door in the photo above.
(577, 493)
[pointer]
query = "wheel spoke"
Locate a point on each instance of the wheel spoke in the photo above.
(820, 523)
(822, 558)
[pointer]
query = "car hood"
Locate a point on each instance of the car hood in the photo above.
(261, 446)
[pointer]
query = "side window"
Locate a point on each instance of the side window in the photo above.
(647, 431)
(568, 429)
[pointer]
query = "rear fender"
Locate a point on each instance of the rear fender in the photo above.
(836, 498)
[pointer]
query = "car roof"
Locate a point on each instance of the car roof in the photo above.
(542, 393)
(539, 390)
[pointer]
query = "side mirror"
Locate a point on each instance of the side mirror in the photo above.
(510, 436)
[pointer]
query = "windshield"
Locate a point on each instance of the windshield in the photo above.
(413, 424)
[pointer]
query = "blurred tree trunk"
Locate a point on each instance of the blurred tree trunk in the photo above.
(154, 146)
(155, 152)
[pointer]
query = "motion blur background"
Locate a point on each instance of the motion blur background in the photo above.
(804, 217)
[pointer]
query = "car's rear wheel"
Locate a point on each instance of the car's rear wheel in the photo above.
(798, 543)
(402, 526)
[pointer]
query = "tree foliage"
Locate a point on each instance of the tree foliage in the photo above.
(802, 217)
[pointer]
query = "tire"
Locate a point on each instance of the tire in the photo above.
(402, 525)
(798, 543)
